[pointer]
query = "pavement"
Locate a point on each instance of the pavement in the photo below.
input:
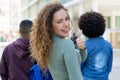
(115, 73)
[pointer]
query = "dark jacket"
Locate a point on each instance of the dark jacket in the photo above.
(15, 62)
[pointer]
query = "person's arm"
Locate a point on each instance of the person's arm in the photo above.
(110, 61)
(81, 46)
(72, 62)
(83, 54)
(3, 67)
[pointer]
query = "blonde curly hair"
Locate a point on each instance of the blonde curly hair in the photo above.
(41, 34)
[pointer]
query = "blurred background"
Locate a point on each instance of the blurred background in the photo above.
(13, 11)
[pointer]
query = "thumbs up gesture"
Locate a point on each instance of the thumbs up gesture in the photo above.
(80, 42)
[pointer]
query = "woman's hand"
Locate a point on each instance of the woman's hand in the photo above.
(80, 42)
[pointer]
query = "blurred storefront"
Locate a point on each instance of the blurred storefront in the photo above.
(115, 38)
(9, 15)
(9, 19)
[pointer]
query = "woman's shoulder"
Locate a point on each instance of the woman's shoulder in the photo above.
(67, 42)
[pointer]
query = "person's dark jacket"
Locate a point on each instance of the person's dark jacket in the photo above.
(15, 62)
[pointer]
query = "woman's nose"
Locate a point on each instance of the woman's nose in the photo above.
(66, 23)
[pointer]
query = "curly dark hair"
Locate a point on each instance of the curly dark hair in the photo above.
(92, 24)
(41, 33)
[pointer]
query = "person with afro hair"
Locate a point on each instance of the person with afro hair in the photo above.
(98, 64)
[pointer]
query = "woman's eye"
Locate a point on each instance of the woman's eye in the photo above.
(59, 22)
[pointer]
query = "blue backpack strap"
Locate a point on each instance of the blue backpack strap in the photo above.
(36, 73)
(49, 76)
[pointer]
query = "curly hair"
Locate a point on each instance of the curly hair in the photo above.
(41, 34)
(92, 24)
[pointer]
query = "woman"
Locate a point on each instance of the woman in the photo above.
(49, 46)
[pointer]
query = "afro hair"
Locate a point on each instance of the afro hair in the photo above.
(92, 24)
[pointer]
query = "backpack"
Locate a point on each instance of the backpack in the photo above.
(36, 73)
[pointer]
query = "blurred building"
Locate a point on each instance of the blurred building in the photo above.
(4, 15)
(109, 8)
(14, 6)
(29, 8)
(9, 15)
(9, 19)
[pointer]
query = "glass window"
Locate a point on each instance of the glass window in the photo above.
(108, 21)
(117, 21)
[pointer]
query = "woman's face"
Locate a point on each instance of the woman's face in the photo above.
(61, 23)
